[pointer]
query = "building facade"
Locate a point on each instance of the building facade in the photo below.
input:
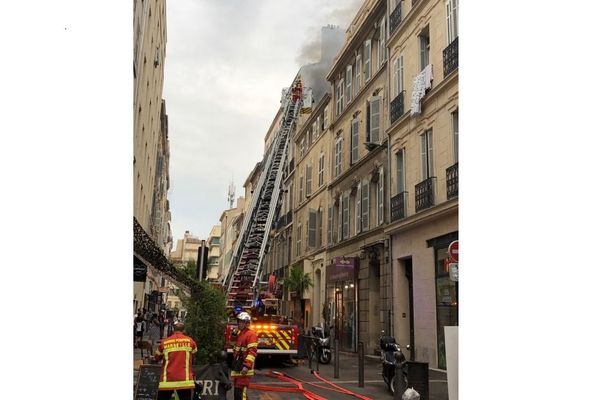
(151, 145)
(186, 249)
(231, 222)
(214, 252)
(423, 135)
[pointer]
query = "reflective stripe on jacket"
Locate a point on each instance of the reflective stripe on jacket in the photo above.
(246, 344)
(176, 352)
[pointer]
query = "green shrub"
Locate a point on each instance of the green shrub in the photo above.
(205, 321)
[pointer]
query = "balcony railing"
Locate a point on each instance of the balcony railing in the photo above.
(395, 17)
(414, 2)
(397, 107)
(399, 206)
(452, 181)
(451, 57)
(424, 194)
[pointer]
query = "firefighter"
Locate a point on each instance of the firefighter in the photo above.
(244, 354)
(176, 353)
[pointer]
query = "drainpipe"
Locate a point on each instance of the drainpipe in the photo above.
(389, 184)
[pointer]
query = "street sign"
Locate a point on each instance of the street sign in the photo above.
(453, 268)
(453, 251)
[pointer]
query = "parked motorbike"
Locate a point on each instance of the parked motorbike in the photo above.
(322, 342)
(391, 356)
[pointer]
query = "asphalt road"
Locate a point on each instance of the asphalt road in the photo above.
(374, 387)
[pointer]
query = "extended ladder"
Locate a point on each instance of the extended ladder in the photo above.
(246, 262)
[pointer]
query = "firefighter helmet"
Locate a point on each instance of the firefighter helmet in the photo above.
(244, 316)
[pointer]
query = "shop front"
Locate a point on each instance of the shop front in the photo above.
(446, 293)
(341, 307)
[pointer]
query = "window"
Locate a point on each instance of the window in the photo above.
(398, 76)
(309, 179)
(329, 225)
(380, 198)
(455, 128)
(345, 215)
(367, 56)
(312, 228)
(400, 175)
(348, 84)
(321, 168)
(373, 115)
(426, 155)
(339, 97)
(365, 205)
(326, 118)
(301, 147)
(315, 132)
(358, 72)
(452, 19)
(358, 211)
(424, 47)
(382, 49)
(338, 157)
(353, 141)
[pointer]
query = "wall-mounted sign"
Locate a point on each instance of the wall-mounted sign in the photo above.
(341, 269)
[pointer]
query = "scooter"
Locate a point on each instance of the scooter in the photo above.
(322, 342)
(391, 356)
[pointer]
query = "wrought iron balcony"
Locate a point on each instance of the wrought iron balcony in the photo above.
(414, 2)
(399, 206)
(395, 18)
(451, 57)
(424, 194)
(452, 181)
(397, 107)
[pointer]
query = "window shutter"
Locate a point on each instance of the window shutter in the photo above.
(348, 84)
(365, 206)
(329, 225)
(380, 198)
(367, 56)
(358, 209)
(308, 179)
(368, 124)
(354, 141)
(345, 215)
(374, 134)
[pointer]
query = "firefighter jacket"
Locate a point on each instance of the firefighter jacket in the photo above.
(246, 345)
(176, 353)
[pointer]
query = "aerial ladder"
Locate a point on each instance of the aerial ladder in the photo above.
(242, 283)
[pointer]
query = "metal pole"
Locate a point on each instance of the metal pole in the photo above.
(336, 361)
(361, 364)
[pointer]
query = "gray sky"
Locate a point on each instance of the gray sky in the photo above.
(226, 64)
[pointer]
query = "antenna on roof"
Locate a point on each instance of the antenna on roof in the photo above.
(231, 193)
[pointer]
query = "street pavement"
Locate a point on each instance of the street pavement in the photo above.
(374, 387)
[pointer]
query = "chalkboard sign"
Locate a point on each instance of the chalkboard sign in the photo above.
(147, 382)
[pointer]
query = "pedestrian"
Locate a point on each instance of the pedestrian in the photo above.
(176, 353)
(154, 331)
(244, 354)
(161, 320)
(140, 326)
(147, 317)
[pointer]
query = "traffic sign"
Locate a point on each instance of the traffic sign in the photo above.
(453, 251)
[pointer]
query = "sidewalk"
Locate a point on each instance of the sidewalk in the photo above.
(373, 382)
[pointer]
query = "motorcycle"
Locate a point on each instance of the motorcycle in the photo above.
(322, 344)
(391, 356)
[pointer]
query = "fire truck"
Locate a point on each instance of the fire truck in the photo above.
(244, 289)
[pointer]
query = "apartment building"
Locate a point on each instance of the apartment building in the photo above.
(151, 147)
(214, 252)
(358, 271)
(423, 137)
(186, 249)
(231, 223)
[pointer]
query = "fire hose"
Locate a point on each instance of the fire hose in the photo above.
(300, 389)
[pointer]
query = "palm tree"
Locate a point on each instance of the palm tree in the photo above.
(298, 282)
